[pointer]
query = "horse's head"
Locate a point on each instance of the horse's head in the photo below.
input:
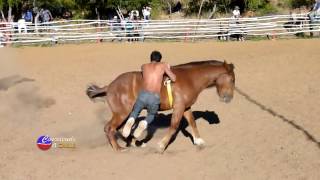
(225, 83)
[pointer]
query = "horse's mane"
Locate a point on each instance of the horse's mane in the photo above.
(197, 63)
(229, 67)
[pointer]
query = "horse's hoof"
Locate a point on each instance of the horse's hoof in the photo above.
(199, 143)
(143, 145)
(121, 149)
(161, 148)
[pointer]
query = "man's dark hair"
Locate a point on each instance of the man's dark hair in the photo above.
(155, 56)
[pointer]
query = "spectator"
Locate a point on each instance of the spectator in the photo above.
(236, 12)
(177, 7)
(134, 15)
(146, 12)
(123, 23)
(67, 15)
(22, 25)
(1, 38)
(46, 15)
(129, 29)
(28, 16)
(235, 26)
(1, 35)
(114, 24)
(315, 11)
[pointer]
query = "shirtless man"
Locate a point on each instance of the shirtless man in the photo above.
(149, 96)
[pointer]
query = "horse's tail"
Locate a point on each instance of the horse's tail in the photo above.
(93, 91)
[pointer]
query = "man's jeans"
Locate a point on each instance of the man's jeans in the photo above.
(148, 100)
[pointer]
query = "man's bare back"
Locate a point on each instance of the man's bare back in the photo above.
(153, 75)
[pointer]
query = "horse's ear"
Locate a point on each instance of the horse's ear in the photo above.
(229, 67)
(225, 64)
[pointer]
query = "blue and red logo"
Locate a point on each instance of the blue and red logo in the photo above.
(44, 142)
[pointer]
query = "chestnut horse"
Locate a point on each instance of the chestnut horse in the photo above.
(192, 78)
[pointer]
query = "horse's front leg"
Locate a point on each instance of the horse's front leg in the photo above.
(195, 133)
(175, 122)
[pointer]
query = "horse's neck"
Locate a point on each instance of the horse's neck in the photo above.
(207, 76)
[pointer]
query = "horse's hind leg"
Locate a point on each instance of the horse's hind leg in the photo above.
(195, 133)
(111, 128)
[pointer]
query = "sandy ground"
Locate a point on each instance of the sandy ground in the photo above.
(271, 130)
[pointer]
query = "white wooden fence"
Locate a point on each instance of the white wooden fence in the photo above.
(184, 29)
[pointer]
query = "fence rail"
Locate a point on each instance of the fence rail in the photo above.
(108, 30)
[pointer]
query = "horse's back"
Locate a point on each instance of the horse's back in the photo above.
(123, 90)
(124, 81)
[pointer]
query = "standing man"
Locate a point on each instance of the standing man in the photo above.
(149, 96)
(146, 12)
(28, 16)
(236, 12)
(46, 15)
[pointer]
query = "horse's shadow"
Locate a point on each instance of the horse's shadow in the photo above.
(10, 81)
(163, 121)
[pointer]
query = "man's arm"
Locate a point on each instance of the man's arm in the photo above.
(168, 71)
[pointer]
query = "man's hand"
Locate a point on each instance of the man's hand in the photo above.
(171, 75)
(167, 80)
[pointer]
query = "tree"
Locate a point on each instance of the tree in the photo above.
(253, 5)
(8, 4)
(1, 10)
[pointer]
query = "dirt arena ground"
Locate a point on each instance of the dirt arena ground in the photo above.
(271, 129)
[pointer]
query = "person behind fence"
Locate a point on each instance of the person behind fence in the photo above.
(114, 24)
(67, 14)
(1, 38)
(146, 12)
(46, 15)
(129, 27)
(236, 12)
(22, 25)
(315, 12)
(28, 16)
(235, 26)
(134, 14)
(149, 96)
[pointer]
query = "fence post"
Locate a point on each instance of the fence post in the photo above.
(98, 32)
(273, 35)
(186, 36)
